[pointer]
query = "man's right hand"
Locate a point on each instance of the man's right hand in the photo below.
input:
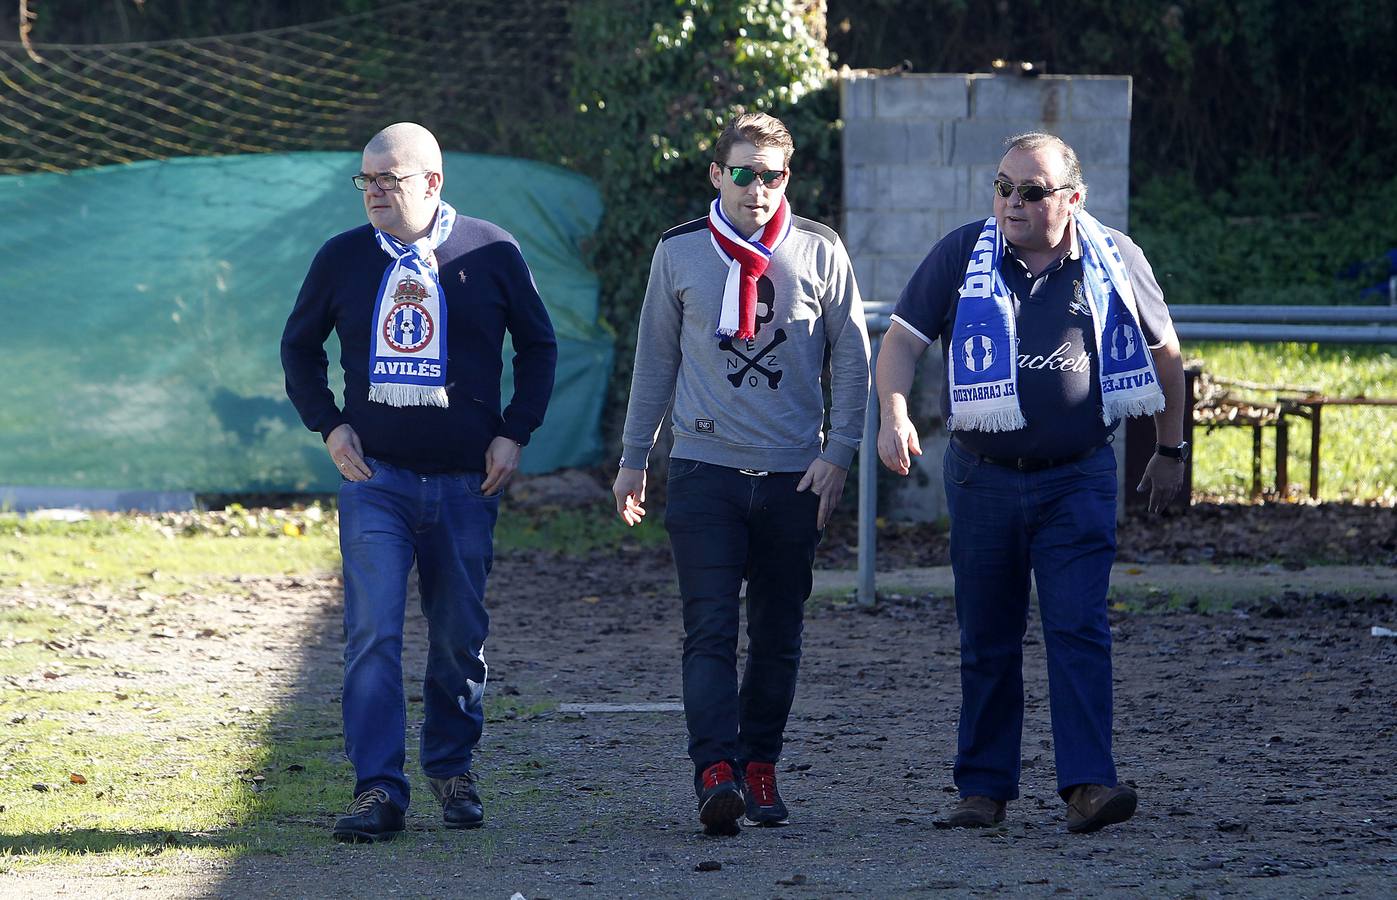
(348, 454)
(629, 491)
(898, 443)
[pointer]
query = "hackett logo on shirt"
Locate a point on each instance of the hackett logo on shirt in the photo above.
(1057, 361)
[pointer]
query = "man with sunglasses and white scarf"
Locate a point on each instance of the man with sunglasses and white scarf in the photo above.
(1053, 328)
(420, 298)
(742, 310)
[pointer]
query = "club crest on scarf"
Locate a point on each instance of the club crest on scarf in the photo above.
(408, 358)
(408, 327)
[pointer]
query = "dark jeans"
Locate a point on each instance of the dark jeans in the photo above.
(448, 526)
(1060, 525)
(726, 526)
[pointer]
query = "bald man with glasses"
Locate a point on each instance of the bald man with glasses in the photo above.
(1052, 328)
(421, 299)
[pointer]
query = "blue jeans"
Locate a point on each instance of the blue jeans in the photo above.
(1059, 524)
(726, 526)
(447, 524)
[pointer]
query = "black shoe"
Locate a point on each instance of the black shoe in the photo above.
(720, 802)
(763, 801)
(372, 817)
(460, 804)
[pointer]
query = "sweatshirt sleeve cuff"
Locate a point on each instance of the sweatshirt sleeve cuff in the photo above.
(841, 455)
(516, 433)
(635, 456)
(330, 426)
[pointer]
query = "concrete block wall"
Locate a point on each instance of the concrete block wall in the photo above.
(920, 152)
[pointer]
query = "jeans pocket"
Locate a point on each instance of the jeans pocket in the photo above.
(1100, 462)
(373, 466)
(471, 481)
(682, 468)
(959, 465)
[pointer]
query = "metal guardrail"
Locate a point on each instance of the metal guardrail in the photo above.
(1305, 324)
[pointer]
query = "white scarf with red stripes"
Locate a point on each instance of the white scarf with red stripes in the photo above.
(747, 259)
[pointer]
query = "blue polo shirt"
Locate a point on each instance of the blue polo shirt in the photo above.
(1059, 372)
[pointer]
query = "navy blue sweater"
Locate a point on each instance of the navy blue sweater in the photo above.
(487, 290)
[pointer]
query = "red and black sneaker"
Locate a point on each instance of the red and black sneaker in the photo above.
(720, 801)
(763, 801)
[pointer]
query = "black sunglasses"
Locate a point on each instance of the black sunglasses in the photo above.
(1031, 193)
(742, 176)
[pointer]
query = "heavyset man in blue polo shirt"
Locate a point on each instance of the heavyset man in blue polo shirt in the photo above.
(421, 299)
(1053, 329)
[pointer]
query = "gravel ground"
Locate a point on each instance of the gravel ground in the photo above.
(1261, 739)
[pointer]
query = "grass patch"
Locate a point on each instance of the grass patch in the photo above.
(145, 781)
(1356, 462)
(117, 756)
(181, 549)
(572, 532)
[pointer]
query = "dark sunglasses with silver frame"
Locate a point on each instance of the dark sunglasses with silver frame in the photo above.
(1030, 193)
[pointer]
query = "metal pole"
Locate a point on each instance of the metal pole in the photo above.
(876, 317)
(868, 482)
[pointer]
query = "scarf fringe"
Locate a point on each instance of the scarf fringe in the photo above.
(993, 420)
(1130, 407)
(408, 394)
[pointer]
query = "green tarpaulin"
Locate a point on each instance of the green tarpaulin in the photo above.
(143, 308)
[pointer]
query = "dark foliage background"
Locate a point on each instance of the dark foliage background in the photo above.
(1264, 132)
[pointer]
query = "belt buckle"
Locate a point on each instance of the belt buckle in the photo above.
(754, 473)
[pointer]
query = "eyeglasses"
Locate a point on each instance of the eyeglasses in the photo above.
(743, 176)
(1030, 193)
(386, 182)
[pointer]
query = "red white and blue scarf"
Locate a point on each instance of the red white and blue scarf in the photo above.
(407, 362)
(747, 259)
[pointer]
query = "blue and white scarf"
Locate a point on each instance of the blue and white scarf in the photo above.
(984, 340)
(407, 362)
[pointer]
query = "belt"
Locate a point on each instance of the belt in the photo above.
(1030, 463)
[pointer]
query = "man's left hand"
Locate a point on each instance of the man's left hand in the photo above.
(827, 481)
(1163, 478)
(501, 460)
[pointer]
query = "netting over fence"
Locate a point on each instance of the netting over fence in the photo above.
(484, 76)
(182, 186)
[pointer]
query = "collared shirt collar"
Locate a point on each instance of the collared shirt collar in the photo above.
(1074, 250)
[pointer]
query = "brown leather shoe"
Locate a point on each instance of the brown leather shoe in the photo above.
(976, 812)
(1091, 807)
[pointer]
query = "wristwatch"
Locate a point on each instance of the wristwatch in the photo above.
(1179, 453)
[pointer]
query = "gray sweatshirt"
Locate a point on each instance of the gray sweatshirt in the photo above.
(755, 404)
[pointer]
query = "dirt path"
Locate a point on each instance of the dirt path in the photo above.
(1262, 741)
